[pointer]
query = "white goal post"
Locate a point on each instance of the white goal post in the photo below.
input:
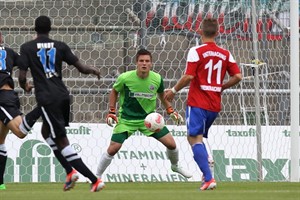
(294, 59)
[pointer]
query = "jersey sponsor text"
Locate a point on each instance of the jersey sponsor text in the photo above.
(214, 53)
(211, 88)
(141, 95)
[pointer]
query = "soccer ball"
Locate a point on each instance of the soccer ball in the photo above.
(154, 122)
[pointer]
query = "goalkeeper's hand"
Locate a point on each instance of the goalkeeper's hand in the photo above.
(175, 116)
(111, 117)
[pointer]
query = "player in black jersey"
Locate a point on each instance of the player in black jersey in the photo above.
(10, 114)
(44, 57)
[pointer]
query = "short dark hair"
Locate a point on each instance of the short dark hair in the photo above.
(210, 27)
(42, 24)
(142, 52)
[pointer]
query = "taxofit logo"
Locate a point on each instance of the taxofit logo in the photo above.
(251, 132)
(81, 130)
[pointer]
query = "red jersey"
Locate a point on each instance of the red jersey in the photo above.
(208, 63)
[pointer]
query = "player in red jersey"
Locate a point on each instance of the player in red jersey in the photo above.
(206, 68)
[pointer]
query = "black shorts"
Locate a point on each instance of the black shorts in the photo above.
(9, 106)
(56, 116)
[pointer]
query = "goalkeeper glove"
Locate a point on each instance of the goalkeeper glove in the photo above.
(111, 117)
(175, 116)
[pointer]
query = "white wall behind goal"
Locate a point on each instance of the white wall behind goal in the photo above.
(143, 159)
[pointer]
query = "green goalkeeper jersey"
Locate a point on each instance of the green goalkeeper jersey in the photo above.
(137, 96)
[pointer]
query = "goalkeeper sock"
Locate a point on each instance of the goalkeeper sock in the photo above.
(3, 159)
(104, 162)
(65, 164)
(74, 159)
(200, 156)
(173, 156)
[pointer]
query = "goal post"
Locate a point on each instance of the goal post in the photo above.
(249, 110)
(294, 57)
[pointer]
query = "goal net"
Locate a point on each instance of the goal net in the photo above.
(107, 34)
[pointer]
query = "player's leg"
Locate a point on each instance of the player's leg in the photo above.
(75, 161)
(57, 117)
(21, 126)
(72, 175)
(10, 108)
(14, 124)
(211, 162)
(10, 111)
(201, 158)
(165, 137)
(73, 158)
(113, 148)
(196, 125)
(121, 132)
(211, 116)
(29, 120)
(10, 119)
(3, 153)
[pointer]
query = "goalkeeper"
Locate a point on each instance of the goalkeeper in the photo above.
(138, 91)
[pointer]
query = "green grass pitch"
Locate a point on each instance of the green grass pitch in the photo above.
(154, 191)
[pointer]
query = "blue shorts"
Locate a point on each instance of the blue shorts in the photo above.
(198, 121)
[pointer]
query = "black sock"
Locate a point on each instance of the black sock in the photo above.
(76, 162)
(82, 168)
(3, 160)
(33, 116)
(62, 160)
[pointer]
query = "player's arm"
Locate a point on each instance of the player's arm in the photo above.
(111, 117)
(164, 101)
(232, 81)
(183, 82)
(22, 62)
(72, 59)
(85, 69)
(176, 117)
(190, 72)
(113, 96)
(234, 72)
(23, 81)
